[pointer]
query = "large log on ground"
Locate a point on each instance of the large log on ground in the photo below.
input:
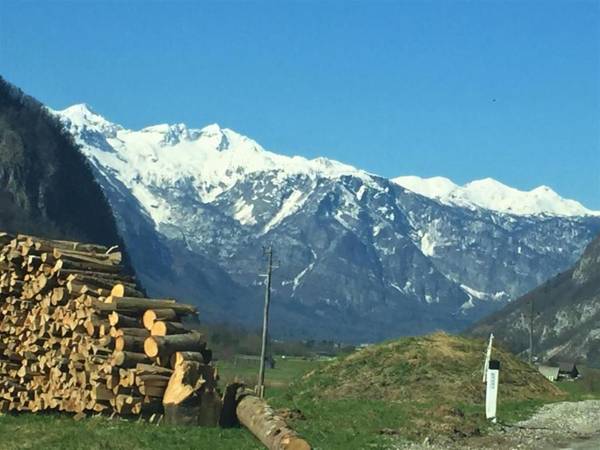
(272, 430)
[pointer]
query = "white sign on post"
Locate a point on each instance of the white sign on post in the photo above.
(491, 391)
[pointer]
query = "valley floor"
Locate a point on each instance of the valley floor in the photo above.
(328, 425)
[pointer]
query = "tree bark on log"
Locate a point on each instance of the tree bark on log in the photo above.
(161, 328)
(179, 357)
(121, 320)
(124, 290)
(272, 430)
(129, 359)
(130, 343)
(87, 266)
(143, 304)
(190, 397)
(152, 315)
(167, 345)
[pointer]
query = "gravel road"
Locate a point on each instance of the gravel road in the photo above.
(564, 425)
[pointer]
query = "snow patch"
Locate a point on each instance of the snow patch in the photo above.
(243, 213)
(290, 205)
(398, 288)
(428, 244)
(361, 192)
(307, 269)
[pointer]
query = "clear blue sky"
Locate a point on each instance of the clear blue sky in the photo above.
(507, 89)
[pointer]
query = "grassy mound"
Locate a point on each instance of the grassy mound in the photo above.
(436, 369)
(416, 387)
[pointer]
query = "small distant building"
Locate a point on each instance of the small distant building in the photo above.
(549, 372)
(568, 370)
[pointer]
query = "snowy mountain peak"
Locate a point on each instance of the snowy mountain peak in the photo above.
(491, 194)
(434, 187)
(214, 159)
(81, 114)
(82, 117)
(208, 161)
(488, 184)
(211, 129)
(81, 109)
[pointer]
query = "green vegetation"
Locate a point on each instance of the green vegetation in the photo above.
(412, 388)
(277, 380)
(405, 389)
(436, 369)
(585, 388)
(228, 340)
(42, 431)
(48, 187)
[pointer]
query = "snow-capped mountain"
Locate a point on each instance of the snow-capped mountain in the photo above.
(360, 256)
(493, 195)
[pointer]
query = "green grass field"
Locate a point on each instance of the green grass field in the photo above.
(328, 424)
(56, 431)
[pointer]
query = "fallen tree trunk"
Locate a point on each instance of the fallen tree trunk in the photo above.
(272, 430)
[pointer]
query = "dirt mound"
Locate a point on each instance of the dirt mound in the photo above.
(438, 369)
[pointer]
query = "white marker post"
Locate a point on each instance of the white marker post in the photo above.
(488, 355)
(491, 391)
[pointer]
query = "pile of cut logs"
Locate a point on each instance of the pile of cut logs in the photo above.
(77, 334)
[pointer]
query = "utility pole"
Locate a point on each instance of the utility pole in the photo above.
(531, 316)
(261, 372)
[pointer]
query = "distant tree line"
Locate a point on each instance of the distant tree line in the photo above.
(228, 340)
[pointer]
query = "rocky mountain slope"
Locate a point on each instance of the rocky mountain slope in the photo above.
(566, 315)
(46, 185)
(360, 256)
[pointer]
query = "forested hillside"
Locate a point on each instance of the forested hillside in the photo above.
(566, 312)
(46, 185)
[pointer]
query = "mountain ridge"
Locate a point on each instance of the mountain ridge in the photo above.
(362, 257)
(80, 114)
(491, 194)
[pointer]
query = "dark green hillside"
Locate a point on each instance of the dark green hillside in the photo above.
(46, 186)
(566, 311)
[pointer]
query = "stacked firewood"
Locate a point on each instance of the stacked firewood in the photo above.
(77, 334)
